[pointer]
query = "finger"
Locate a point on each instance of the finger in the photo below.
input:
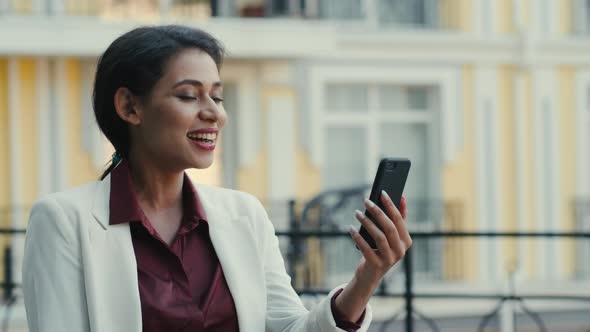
(368, 252)
(388, 227)
(381, 240)
(403, 208)
(397, 218)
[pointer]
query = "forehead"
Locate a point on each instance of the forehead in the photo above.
(193, 64)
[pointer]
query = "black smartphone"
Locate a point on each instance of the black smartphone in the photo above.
(391, 176)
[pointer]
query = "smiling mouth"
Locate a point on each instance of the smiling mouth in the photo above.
(203, 138)
(204, 141)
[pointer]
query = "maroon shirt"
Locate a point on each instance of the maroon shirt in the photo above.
(181, 286)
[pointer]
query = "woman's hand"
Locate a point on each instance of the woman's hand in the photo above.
(392, 240)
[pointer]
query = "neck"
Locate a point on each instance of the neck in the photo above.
(156, 188)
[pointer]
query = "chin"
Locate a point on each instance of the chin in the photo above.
(202, 163)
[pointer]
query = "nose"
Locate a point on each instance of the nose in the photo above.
(210, 112)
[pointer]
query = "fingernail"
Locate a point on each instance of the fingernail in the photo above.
(351, 229)
(358, 213)
(384, 193)
(369, 203)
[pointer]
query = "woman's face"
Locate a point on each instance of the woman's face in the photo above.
(180, 121)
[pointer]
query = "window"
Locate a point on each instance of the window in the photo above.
(341, 9)
(364, 122)
(408, 12)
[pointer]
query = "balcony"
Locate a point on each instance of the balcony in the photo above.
(378, 14)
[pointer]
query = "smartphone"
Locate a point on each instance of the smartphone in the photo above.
(391, 176)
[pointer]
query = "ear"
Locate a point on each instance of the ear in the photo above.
(126, 106)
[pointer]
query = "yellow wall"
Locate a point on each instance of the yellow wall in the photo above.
(458, 185)
(29, 135)
(80, 164)
(565, 12)
(4, 163)
(567, 162)
(22, 6)
(457, 14)
(505, 17)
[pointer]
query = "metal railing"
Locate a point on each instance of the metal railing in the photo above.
(410, 295)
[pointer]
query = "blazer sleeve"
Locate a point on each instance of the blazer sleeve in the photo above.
(285, 311)
(53, 283)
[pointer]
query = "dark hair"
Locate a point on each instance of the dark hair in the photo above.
(137, 60)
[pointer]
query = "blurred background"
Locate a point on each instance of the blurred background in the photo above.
(490, 99)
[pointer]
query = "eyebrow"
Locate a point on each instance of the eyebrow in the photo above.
(217, 84)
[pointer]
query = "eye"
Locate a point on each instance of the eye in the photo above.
(217, 100)
(186, 98)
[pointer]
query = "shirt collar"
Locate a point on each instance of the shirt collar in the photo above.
(124, 207)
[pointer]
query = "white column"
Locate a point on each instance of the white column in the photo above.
(281, 156)
(18, 215)
(547, 170)
(484, 16)
(488, 171)
(44, 169)
(92, 141)
(522, 199)
(57, 7)
(582, 94)
(58, 129)
(371, 13)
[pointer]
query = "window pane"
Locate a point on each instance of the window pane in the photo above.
(345, 160)
(341, 9)
(409, 140)
(421, 13)
(347, 97)
(404, 98)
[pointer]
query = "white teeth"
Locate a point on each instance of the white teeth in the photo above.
(210, 136)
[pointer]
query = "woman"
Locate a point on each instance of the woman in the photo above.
(145, 249)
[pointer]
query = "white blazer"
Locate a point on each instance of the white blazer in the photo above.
(80, 273)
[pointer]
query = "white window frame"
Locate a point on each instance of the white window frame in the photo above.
(547, 177)
(583, 157)
(488, 198)
(444, 79)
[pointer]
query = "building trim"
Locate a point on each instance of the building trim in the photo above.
(522, 200)
(545, 99)
(488, 212)
(582, 136)
(17, 207)
(281, 156)
(61, 165)
(582, 151)
(42, 85)
(79, 36)
(445, 78)
(248, 115)
(14, 139)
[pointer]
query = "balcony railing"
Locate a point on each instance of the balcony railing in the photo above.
(383, 14)
(327, 261)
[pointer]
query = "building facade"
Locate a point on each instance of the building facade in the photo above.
(489, 99)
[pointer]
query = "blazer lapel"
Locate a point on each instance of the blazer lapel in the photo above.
(114, 300)
(236, 249)
(114, 295)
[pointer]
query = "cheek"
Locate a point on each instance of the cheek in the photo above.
(222, 117)
(168, 123)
